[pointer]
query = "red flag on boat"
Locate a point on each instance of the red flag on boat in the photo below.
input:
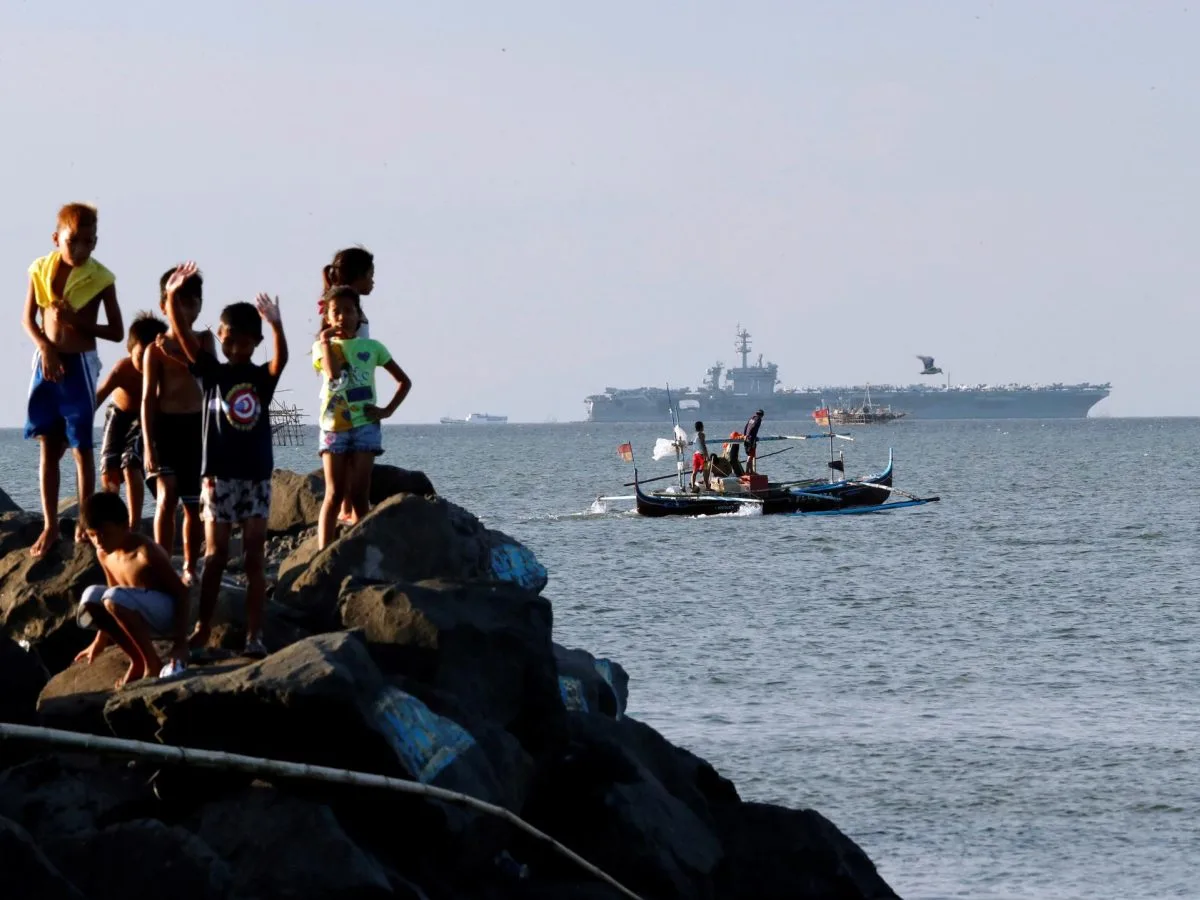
(821, 416)
(625, 451)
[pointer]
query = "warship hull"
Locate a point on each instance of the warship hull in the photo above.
(918, 403)
(753, 386)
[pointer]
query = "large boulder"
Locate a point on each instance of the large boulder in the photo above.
(74, 699)
(7, 505)
(311, 702)
(38, 597)
(320, 701)
(388, 481)
(487, 645)
(588, 684)
(596, 797)
(56, 796)
(22, 676)
(407, 539)
(143, 859)
(296, 499)
(26, 872)
(284, 846)
(773, 853)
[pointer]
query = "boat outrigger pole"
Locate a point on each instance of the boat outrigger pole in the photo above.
(675, 438)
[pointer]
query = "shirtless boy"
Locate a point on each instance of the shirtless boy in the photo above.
(143, 598)
(67, 287)
(172, 421)
(121, 446)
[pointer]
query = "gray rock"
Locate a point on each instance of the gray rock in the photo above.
(313, 702)
(596, 797)
(54, 796)
(487, 645)
(25, 871)
(282, 846)
(38, 597)
(7, 505)
(405, 540)
(782, 854)
(23, 676)
(388, 481)
(588, 684)
(295, 501)
(142, 860)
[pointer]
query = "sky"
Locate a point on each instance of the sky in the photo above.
(563, 197)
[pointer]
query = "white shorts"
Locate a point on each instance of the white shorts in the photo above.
(157, 608)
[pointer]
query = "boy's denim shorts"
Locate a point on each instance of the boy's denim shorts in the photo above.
(363, 439)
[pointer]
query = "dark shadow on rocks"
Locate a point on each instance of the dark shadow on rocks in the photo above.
(25, 872)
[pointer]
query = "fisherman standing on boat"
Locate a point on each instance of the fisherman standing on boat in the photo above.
(751, 438)
(700, 457)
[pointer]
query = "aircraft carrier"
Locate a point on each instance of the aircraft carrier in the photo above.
(750, 387)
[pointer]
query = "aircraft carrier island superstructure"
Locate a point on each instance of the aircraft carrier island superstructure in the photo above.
(750, 387)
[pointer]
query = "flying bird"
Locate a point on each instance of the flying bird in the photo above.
(930, 369)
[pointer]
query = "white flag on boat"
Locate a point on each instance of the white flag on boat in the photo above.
(665, 447)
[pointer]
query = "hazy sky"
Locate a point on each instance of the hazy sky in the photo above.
(564, 196)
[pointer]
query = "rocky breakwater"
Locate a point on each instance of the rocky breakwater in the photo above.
(419, 646)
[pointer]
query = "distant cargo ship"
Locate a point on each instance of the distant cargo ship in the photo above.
(476, 419)
(751, 387)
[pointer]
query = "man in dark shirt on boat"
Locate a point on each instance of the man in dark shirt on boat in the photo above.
(751, 438)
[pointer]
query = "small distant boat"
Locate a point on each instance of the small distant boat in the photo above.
(866, 414)
(476, 419)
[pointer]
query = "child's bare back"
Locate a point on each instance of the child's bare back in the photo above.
(140, 563)
(124, 385)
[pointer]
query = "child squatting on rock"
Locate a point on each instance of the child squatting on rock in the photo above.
(143, 599)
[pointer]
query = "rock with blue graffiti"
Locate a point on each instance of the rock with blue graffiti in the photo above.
(404, 540)
(591, 685)
(486, 644)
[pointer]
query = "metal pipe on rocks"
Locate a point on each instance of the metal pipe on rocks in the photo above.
(215, 759)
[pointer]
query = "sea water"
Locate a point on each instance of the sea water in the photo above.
(996, 695)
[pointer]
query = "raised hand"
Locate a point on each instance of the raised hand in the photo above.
(180, 275)
(268, 309)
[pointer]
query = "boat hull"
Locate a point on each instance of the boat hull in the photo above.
(801, 497)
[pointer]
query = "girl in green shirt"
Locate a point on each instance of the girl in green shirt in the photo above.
(351, 436)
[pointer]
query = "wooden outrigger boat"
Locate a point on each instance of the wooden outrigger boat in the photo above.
(756, 494)
(792, 497)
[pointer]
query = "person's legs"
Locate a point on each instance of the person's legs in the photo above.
(135, 491)
(359, 481)
(144, 659)
(335, 465)
(52, 449)
(164, 513)
(346, 515)
(216, 556)
(85, 481)
(254, 541)
(111, 444)
(193, 533)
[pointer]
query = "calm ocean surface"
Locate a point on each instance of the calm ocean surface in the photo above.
(997, 695)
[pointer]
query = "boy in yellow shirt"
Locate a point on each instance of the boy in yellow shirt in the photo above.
(67, 287)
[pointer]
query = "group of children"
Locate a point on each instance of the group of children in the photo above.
(195, 429)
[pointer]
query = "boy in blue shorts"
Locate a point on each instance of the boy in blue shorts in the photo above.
(67, 287)
(239, 454)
